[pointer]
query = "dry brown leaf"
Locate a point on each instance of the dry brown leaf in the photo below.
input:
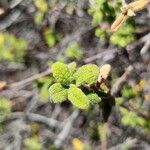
(137, 5)
(118, 22)
(104, 72)
(2, 85)
(127, 11)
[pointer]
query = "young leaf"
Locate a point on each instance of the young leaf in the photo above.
(86, 74)
(57, 93)
(72, 67)
(62, 73)
(78, 98)
(93, 98)
(104, 72)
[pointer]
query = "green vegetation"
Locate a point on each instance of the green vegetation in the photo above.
(74, 51)
(124, 36)
(43, 85)
(12, 48)
(69, 84)
(69, 42)
(103, 14)
(32, 143)
(42, 8)
(5, 106)
(132, 119)
(51, 37)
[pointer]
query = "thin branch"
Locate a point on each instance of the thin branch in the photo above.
(15, 3)
(101, 55)
(120, 82)
(32, 105)
(27, 81)
(45, 120)
(32, 117)
(12, 116)
(11, 18)
(67, 127)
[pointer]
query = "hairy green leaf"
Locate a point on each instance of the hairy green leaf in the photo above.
(78, 98)
(72, 67)
(62, 73)
(94, 98)
(57, 93)
(87, 74)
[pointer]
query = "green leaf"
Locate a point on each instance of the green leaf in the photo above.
(5, 106)
(62, 73)
(78, 98)
(72, 67)
(87, 74)
(94, 98)
(57, 93)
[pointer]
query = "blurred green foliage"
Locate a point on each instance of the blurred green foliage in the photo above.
(124, 36)
(74, 51)
(33, 143)
(5, 106)
(42, 5)
(42, 8)
(38, 18)
(132, 119)
(12, 48)
(103, 14)
(129, 92)
(102, 10)
(43, 84)
(51, 37)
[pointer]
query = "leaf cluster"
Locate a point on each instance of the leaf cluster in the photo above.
(74, 84)
(12, 48)
(132, 119)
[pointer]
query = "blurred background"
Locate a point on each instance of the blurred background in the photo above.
(36, 33)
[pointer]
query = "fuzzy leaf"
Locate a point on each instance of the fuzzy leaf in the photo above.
(93, 98)
(57, 93)
(87, 74)
(78, 98)
(72, 67)
(62, 73)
